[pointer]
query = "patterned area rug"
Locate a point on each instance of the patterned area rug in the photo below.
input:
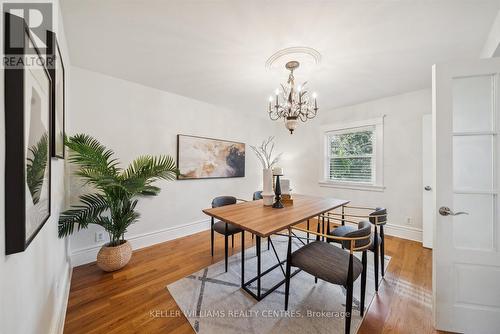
(213, 302)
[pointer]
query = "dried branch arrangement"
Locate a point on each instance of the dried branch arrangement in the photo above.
(265, 151)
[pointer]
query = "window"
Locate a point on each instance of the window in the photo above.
(353, 155)
(350, 155)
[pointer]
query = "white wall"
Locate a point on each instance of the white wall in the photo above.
(132, 120)
(402, 157)
(33, 284)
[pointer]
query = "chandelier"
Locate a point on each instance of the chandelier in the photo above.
(295, 103)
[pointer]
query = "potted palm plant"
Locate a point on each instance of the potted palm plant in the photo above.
(118, 190)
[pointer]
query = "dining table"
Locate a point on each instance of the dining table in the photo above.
(265, 221)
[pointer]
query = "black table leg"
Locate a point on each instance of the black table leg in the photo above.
(257, 240)
(242, 258)
(246, 286)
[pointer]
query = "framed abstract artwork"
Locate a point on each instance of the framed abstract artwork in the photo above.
(56, 71)
(27, 131)
(208, 158)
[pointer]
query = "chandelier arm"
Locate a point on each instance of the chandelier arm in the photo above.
(273, 118)
(302, 117)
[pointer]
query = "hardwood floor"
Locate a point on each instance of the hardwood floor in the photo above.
(135, 299)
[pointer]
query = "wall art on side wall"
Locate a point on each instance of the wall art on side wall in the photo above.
(205, 158)
(27, 130)
(56, 71)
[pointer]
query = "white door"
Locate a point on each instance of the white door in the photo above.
(466, 257)
(427, 196)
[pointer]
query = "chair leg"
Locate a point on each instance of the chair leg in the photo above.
(232, 240)
(287, 275)
(268, 243)
(315, 280)
(328, 230)
(343, 215)
(308, 230)
(382, 253)
(348, 302)
(212, 240)
(225, 249)
(363, 285)
(375, 258)
(317, 229)
(323, 228)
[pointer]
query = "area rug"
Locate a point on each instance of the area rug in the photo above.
(213, 302)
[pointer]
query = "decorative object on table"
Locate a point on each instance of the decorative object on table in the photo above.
(265, 154)
(286, 199)
(296, 103)
(276, 170)
(56, 72)
(207, 158)
(285, 186)
(27, 138)
(118, 190)
(277, 191)
(286, 192)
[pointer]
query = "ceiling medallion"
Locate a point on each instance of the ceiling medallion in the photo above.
(301, 53)
(295, 103)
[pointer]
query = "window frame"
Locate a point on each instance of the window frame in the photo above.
(377, 126)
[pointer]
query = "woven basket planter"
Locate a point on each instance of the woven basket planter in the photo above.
(114, 258)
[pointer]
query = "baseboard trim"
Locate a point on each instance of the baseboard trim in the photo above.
(60, 314)
(404, 232)
(88, 254)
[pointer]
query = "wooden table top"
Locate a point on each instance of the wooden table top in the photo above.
(263, 221)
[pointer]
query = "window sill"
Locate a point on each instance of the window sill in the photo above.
(351, 185)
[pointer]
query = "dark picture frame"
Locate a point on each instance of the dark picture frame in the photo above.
(236, 158)
(57, 75)
(27, 150)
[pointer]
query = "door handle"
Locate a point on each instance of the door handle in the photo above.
(428, 188)
(445, 211)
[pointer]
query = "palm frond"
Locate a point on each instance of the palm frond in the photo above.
(89, 212)
(89, 153)
(145, 170)
(36, 166)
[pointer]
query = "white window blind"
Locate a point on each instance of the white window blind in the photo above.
(350, 155)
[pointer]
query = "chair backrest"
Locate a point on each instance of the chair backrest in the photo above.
(257, 195)
(379, 216)
(223, 200)
(364, 230)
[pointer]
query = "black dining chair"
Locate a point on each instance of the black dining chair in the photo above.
(332, 263)
(228, 230)
(257, 195)
(376, 216)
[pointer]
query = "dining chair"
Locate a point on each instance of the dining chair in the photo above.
(332, 263)
(222, 227)
(257, 195)
(376, 216)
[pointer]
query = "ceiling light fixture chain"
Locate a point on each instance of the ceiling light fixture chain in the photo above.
(295, 103)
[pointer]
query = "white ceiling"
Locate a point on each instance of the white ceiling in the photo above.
(215, 51)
